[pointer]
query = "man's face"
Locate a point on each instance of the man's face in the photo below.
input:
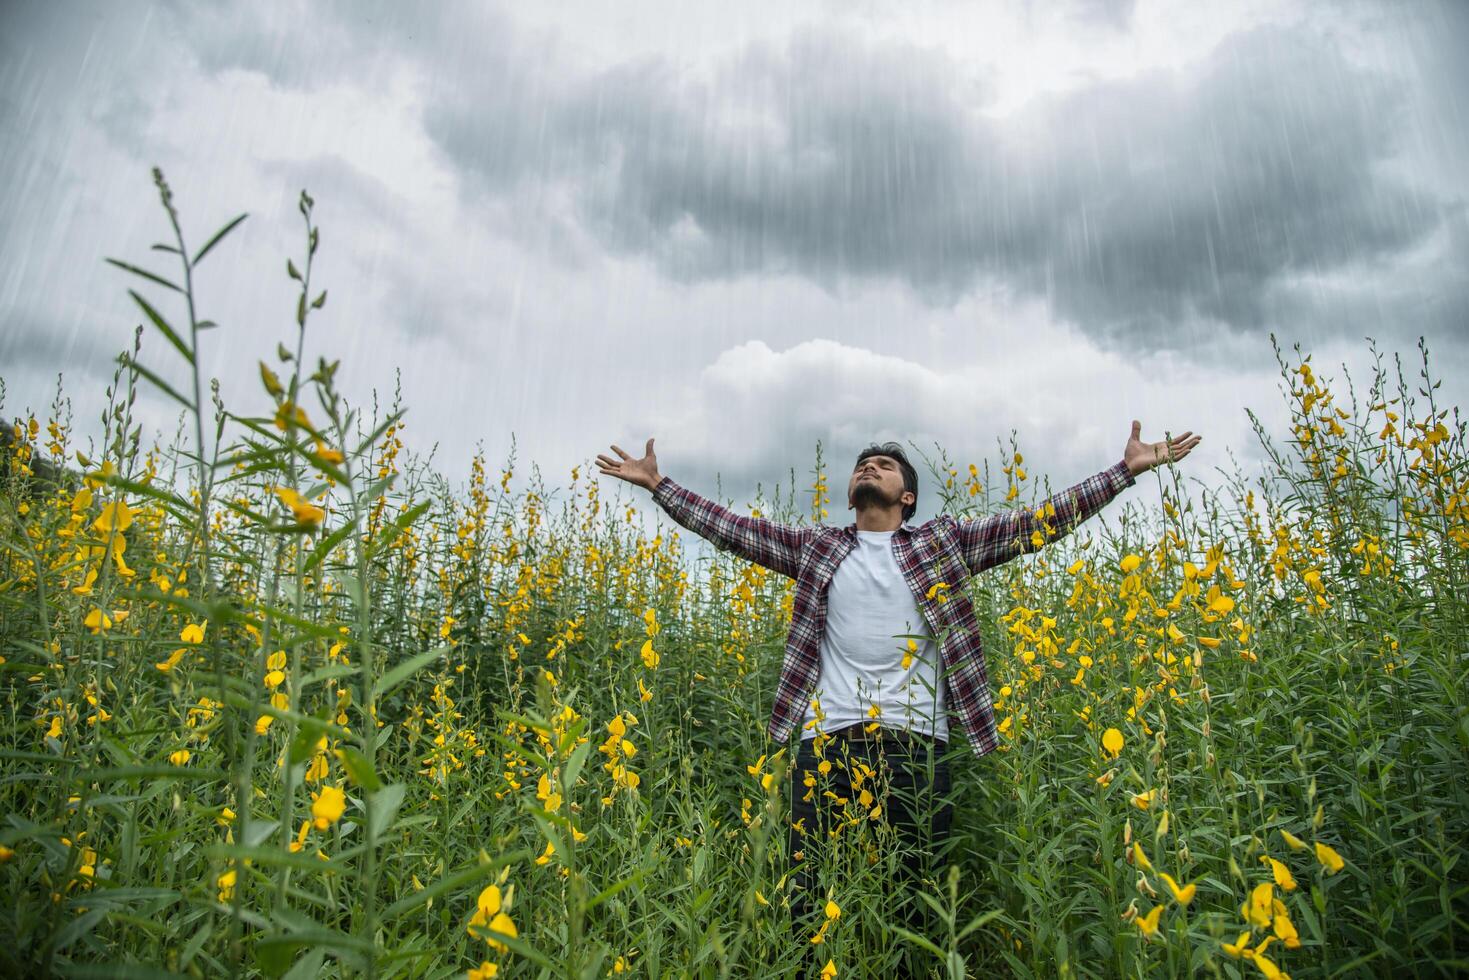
(877, 481)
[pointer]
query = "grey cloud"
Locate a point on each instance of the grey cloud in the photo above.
(1132, 205)
(33, 344)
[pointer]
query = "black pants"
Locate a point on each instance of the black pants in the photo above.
(906, 784)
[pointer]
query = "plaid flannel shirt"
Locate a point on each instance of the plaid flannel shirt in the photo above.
(935, 558)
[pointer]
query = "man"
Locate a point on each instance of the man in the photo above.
(850, 675)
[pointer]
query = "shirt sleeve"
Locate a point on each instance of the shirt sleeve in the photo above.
(993, 540)
(777, 547)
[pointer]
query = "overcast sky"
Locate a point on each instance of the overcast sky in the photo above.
(741, 228)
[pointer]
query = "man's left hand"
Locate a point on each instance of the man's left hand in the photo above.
(1143, 456)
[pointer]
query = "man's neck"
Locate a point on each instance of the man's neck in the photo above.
(872, 519)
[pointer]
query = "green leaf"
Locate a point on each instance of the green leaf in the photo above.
(218, 236)
(292, 271)
(606, 893)
(915, 939)
(384, 810)
(171, 500)
(979, 921)
(453, 882)
(359, 770)
(116, 971)
(150, 276)
(406, 670)
(320, 301)
(303, 746)
(326, 544)
(327, 673)
(574, 765)
(266, 854)
(184, 773)
(158, 382)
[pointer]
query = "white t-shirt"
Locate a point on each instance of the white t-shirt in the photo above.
(867, 605)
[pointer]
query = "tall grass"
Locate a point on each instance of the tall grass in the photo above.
(279, 700)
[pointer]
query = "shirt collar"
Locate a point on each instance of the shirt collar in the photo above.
(851, 528)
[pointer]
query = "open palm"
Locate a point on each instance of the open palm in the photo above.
(1143, 456)
(642, 472)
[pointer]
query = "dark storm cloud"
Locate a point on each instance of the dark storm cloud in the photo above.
(36, 347)
(1133, 205)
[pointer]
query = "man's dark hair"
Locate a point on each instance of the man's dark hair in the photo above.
(910, 475)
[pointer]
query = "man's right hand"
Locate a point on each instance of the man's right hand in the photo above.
(642, 472)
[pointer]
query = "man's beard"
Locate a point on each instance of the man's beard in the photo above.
(868, 493)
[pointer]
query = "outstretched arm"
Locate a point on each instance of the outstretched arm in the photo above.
(775, 546)
(993, 540)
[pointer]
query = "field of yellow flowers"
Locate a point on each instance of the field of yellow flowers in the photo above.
(280, 701)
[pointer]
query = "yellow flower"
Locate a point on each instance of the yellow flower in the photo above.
(1149, 923)
(829, 971)
(5, 854)
(1144, 800)
(488, 902)
(1258, 909)
(1182, 895)
(503, 926)
(833, 910)
(1265, 966)
(1283, 877)
(1296, 844)
(304, 510)
(649, 655)
(1329, 859)
(545, 858)
(327, 808)
(86, 587)
(116, 516)
(1240, 947)
(97, 621)
(172, 661)
(192, 632)
(1129, 564)
(263, 723)
(1112, 742)
(485, 971)
(1139, 858)
(226, 884)
(1286, 930)
(179, 758)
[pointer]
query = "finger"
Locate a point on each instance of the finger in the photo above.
(618, 450)
(607, 461)
(1137, 428)
(649, 450)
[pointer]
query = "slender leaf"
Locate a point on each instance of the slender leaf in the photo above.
(218, 236)
(163, 327)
